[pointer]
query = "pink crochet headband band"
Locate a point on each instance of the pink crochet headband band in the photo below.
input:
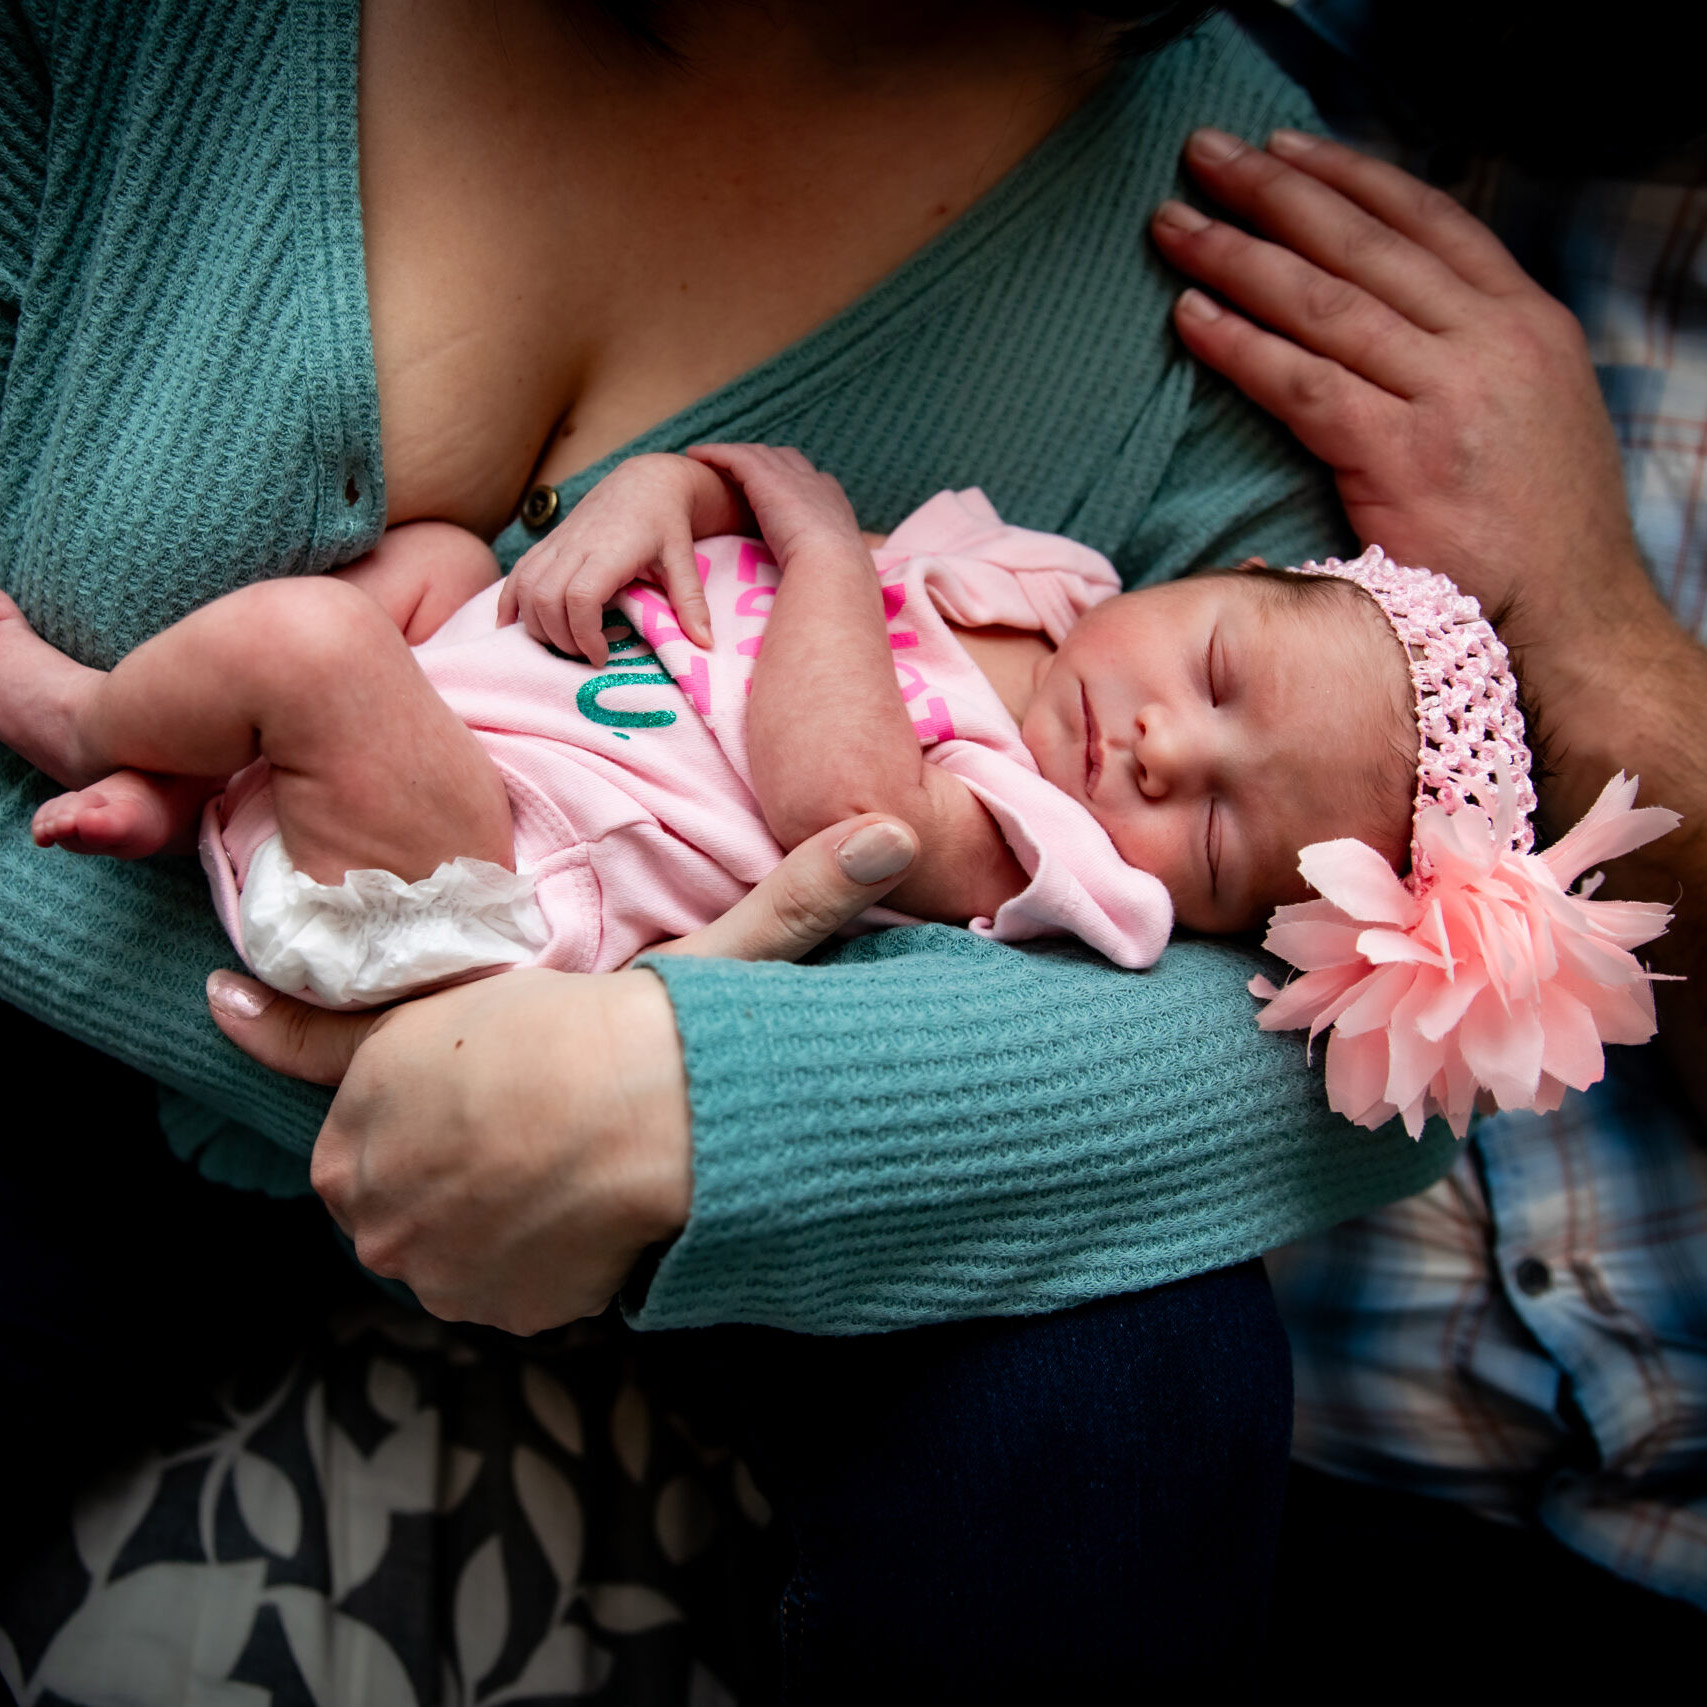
(1469, 726)
(1483, 980)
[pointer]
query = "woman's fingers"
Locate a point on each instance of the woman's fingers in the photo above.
(825, 883)
(1327, 314)
(1335, 413)
(1426, 216)
(289, 1036)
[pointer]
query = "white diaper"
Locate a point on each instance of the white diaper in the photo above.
(374, 938)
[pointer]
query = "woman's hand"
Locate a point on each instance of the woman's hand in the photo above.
(508, 1148)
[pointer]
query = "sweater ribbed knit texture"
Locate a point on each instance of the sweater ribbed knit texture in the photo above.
(920, 1127)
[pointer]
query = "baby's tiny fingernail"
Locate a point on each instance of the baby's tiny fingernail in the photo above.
(1214, 146)
(1194, 305)
(237, 997)
(1291, 143)
(1181, 217)
(875, 852)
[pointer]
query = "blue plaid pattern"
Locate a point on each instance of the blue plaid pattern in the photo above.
(1530, 1336)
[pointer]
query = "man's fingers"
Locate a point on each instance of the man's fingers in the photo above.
(826, 882)
(1331, 229)
(1428, 217)
(286, 1035)
(1326, 314)
(1332, 412)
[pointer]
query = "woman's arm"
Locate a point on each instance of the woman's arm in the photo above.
(525, 1198)
(827, 731)
(1457, 405)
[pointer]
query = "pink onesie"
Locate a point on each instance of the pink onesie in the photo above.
(635, 818)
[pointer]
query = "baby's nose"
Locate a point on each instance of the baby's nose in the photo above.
(1166, 754)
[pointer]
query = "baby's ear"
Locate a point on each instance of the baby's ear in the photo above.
(1253, 563)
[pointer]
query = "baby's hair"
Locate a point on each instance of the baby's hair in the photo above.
(1396, 777)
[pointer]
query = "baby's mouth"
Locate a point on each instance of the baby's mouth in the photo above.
(1093, 746)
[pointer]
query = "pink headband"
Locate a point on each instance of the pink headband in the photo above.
(1469, 728)
(1481, 979)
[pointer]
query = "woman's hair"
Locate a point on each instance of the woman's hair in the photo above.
(1139, 26)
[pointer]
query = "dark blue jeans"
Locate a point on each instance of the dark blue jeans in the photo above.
(1045, 1508)
(1050, 1508)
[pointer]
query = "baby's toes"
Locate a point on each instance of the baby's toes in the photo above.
(56, 821)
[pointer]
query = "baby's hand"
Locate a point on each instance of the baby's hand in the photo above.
(637, 522)
(794, 504)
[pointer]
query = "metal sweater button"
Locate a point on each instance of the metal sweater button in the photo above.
(539, 506)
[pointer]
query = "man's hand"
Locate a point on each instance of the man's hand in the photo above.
(508, 1148)
(1455, 401)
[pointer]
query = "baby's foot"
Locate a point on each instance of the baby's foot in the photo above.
(41, 693)
(127, 815)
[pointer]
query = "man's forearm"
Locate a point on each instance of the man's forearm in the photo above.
(1630, 694)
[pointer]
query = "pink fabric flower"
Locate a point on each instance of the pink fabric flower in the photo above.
(1490, 981)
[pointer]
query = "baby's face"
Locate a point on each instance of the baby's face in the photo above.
(1215, 726)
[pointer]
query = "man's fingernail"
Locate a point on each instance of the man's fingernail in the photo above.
(237, 997)
(1194, 305)
(874, 852)
(1290, 143)
(1215, 146)
(1181, 217)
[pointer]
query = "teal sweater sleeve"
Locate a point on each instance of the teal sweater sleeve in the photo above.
(919, 1125)
(24, 108)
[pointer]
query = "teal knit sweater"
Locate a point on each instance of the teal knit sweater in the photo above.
(921, 1126)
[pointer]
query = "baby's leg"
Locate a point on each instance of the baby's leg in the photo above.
(370, 767)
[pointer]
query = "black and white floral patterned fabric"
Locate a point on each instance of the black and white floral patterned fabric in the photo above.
(411, 1515)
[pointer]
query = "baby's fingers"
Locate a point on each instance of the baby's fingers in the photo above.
(680, 570)
(509, 599)
(581, 611)
(1335, 414)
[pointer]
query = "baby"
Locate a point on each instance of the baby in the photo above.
(622, 762)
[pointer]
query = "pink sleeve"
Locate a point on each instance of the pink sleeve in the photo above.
(982, 573)
(1080, 886)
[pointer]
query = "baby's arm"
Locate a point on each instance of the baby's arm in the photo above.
(643, 517)
(421, 572)
(827, 732)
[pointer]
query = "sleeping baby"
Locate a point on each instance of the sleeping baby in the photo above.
(413, 772)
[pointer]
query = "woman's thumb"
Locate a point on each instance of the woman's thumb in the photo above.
(288, 1036)
(825, 883)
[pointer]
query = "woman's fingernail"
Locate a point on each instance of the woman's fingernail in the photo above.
(1194, 305)
(1290, 143)
(1215, 146)
(875, 852)
(237, 997)
(1181, 217)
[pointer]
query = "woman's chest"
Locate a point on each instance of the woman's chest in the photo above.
(562, 252)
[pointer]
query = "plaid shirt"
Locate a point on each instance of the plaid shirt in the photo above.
(1530, 1337)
